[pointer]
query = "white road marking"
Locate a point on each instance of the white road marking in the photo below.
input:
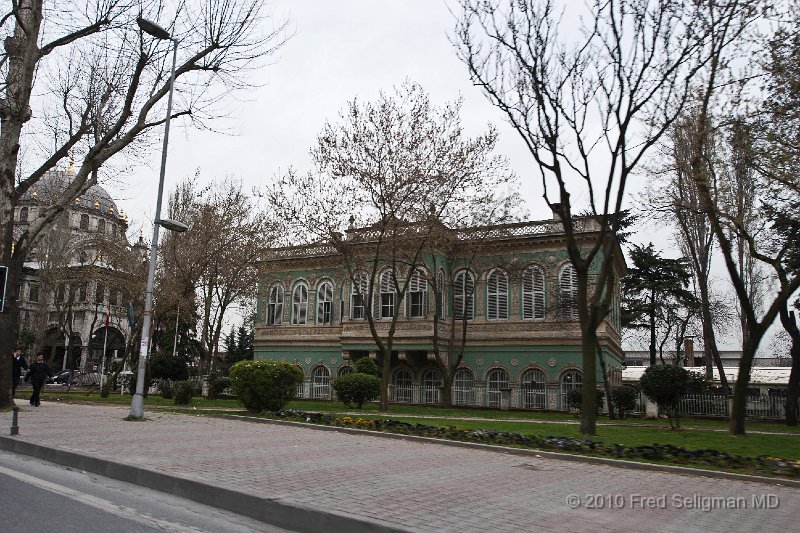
(122, 511)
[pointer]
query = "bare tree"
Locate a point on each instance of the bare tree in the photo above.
(589, 110)
(215, 265)
(80, 78)
(732, 225)
(407, 176)
(678, 200)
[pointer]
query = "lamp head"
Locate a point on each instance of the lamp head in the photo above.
(151, 28)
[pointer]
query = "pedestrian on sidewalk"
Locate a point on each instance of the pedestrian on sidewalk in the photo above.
(38, 373)
(17, 364)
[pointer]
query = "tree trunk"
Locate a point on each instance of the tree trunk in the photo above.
(606, 385)
(792, 390)
(710, 350)
(739, 411)
(383, 406)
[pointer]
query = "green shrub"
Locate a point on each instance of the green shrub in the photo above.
(166, 389)
(365, 365)
(575, 398)
(163, 365)
(216, 385)
(697, 384)
(184, 391)
(264, 385)
(624, 399)
(666, 385)
(357, 388)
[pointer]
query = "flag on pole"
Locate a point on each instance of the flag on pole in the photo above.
(108, 314)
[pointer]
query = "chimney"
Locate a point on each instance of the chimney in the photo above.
(688, 350)
(556, 211)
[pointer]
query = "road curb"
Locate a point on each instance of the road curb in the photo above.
(618, 463)
(267, 510)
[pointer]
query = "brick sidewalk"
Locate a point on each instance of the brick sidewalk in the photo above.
(407, 485)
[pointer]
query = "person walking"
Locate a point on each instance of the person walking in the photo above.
(38, 374)
(17, 364)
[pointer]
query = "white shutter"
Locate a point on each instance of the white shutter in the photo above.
(533, 293)
(502, 295)
(568, 287)
(464, 297)
(440, 295)
(492, 295)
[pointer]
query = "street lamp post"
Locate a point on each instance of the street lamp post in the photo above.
(137, 403)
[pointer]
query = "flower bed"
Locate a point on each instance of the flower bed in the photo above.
(661, 453)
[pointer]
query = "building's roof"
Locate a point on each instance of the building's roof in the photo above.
(53, 183)
(763, 375)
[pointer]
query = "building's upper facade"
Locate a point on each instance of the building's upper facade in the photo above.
(513, 284)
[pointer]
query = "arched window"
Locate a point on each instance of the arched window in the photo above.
(114, 231)
(464, 387)
(402, 385)
(23, 214)
(440, 294)
(417, 296)
(534, 389)
(101, 225)
(275, 306)
(533, 293)
(496, 380)
(358, 295)
(325, 303)
(568, 293)
(100, 293)
(321, 383)
(464, 287)
(300, 304)
(344, 370)
(570, 380)
(497, 295)
(84, 222)
(387, 294)
(431, 385)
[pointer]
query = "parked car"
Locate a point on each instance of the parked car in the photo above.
(62, 378)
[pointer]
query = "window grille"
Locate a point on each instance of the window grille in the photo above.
(534, 389)
(497, 379)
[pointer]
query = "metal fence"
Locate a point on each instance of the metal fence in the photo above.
(547, 398)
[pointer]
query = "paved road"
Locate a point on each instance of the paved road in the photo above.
(408, 485)
(41, 496)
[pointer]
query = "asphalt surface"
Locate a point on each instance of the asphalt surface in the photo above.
(40, 496)
(308, 479)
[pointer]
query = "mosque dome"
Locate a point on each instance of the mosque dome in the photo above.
(53, 184)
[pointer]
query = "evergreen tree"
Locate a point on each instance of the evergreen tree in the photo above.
(654, 291)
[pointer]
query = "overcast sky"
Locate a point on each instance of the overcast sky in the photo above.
(340, 50)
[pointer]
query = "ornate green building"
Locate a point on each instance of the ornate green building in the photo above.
(492, 312)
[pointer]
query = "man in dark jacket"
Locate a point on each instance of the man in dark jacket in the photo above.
(17, 364)
(38, 374)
